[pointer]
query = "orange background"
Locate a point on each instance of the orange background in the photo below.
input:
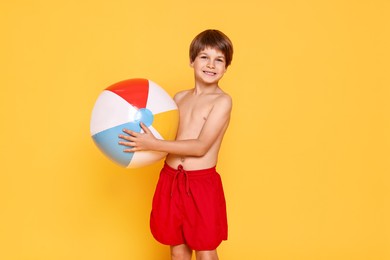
(305, 162)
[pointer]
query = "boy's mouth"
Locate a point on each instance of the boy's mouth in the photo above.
(209, 73)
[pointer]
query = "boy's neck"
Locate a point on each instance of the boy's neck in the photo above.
(200, 89)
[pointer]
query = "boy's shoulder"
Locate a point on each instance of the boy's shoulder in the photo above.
(179, 95)
(223, 97)
(224, 101)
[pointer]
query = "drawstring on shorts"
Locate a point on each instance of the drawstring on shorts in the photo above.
(180, 170)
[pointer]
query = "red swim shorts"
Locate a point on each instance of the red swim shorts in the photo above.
(189, 208)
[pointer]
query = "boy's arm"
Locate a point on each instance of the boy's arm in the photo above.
(215, 124)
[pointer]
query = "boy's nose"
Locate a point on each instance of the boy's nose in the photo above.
(210, 65)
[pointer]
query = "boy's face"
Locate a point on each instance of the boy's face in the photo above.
(209, 65)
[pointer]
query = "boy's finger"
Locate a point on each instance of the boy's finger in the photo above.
(132, 150)
(130, 144)
(126, 137)
(145, 128)
(130, 132)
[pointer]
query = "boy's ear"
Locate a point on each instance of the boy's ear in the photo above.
(191, 64)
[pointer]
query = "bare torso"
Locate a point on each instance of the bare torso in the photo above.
(194, 113)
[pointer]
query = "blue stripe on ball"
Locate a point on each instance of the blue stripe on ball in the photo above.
(107, 141)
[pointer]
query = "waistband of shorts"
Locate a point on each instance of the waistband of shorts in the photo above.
(172, 171)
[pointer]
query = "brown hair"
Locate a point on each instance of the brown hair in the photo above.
(213, 39)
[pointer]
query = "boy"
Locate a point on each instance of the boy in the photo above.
(189, 210)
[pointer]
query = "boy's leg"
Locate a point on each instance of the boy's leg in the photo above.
(181, 252)
(207, 255)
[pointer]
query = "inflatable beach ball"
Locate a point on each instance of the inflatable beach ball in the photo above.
(124, 105)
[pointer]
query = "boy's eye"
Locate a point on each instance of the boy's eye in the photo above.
(220, 60)
(203, 57)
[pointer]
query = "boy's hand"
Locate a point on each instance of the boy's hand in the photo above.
(137, 141)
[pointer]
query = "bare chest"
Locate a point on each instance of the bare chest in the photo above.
(193, 115)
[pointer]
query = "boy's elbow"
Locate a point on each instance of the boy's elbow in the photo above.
(201, 151)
